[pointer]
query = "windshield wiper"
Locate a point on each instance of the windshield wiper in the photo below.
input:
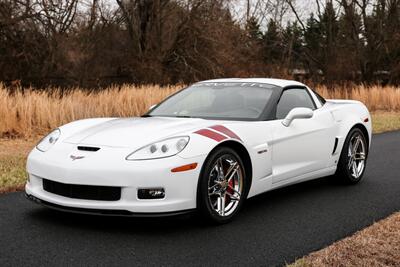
(178, 116)
(182, 116)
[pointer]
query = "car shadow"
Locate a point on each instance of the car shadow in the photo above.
(258, 205)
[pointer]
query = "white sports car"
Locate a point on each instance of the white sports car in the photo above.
(208, 147)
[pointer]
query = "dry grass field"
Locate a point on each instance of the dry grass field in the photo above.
(28, 113)
(377, 98)
(13, 153)
(384, 121)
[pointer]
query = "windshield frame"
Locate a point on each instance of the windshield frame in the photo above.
(266, 114)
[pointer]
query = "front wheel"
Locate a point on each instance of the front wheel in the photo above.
(353, 158)
(222, 185)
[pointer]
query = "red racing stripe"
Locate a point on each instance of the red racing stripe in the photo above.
(210, 134)
(225, 131)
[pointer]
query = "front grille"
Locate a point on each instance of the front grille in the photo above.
(92, 192)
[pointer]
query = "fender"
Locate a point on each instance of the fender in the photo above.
(347, 114)
(204, 140)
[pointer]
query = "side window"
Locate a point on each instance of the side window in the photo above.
(320, 98)
(293, 98)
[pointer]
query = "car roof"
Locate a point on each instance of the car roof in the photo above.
(276, 82)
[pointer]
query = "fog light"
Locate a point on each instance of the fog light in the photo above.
(151, 193)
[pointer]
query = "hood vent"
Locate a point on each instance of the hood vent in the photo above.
(88, 148)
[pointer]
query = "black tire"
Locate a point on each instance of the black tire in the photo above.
(344, 172)
(204, 205)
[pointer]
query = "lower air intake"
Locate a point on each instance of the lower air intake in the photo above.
(90, 192)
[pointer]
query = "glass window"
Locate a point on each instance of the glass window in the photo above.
(293, 98)
(320, 98)
(217, 101)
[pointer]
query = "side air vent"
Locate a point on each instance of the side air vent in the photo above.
(88, 148)
(335, 145)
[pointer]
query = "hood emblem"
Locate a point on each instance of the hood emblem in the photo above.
(76, 157)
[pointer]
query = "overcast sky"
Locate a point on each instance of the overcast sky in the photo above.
(303, 7)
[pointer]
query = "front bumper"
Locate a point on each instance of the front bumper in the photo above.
(109, 168)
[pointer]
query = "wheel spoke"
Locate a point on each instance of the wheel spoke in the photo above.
(350, 164)
(355, 170)
(215, 204)
(220, 168)
(233, 197)
(232, 173)
(212, 187)
(221, 205)
(233, 168)
(216, 169)
(360, 156)
(355, 148)
(350, 149)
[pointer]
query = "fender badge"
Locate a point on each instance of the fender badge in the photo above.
(76, 157)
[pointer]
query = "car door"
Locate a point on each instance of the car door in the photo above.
(306, 144)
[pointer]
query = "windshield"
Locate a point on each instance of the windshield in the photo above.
(217, 101)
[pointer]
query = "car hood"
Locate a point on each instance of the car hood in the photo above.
(136, 132)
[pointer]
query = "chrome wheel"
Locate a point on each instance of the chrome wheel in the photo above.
(225, 185)
(356, 156)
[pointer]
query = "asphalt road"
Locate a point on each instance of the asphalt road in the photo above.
(272, 229)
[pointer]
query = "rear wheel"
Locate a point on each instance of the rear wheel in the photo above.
(222, 185)
(353, 158)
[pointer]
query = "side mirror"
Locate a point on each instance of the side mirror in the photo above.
(152, 106)
(297, 113)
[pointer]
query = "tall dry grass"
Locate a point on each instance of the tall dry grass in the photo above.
(376, 97)
(36, 112)
(28, 113)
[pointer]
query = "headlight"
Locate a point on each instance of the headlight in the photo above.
(47, 142)
(162, 149)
